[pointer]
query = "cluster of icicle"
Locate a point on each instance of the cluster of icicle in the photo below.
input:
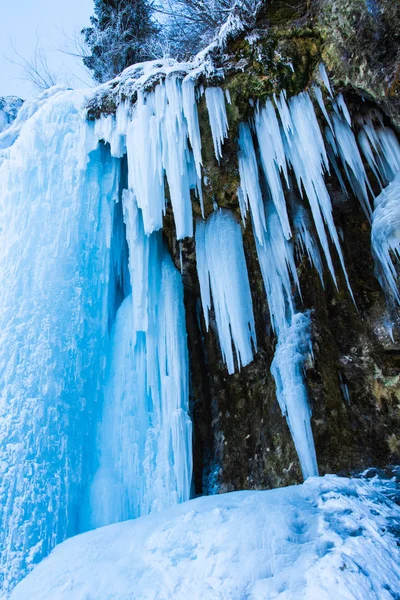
(283, 144)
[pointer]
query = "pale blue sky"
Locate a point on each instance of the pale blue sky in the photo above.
(22, 21)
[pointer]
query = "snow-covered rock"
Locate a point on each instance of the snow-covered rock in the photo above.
(328, 538)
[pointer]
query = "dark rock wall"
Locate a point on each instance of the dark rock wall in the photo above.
(241, 440)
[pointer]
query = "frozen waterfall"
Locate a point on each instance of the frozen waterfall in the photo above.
(95, 386)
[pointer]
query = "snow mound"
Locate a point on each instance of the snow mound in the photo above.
(327, 538)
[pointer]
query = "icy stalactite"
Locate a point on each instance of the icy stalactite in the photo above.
(385, 235)
(222, 271)
(156, 138)
(273, 159)
(308, 157)
(352, 162)
(305, 240)
(56, 222)
(278, 269)
(192, 118)
(215, 100)
(381, 150)
(145, 437)
(250, 188)
(325, 78)
(292, 351)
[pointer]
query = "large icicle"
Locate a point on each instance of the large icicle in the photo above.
(278, 269)
(294, 342)
(273, 160)
(385, 235)
(307, 154)
(381, 149)
(156, 140)
(249, 181)
(215, 100)
(145, 435)
(222, 270)
(293, 348)
(55, 227)
(352, 162)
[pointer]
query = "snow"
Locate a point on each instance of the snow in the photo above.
(385, 235)
(327, 538)
(222, 271)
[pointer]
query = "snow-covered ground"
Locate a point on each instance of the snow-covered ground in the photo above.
(328, 539)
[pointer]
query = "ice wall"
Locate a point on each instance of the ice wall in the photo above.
(145, 435)
(56, 210)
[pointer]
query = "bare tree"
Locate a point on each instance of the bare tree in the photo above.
(36, 69)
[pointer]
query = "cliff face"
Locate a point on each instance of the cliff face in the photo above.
(241, 439)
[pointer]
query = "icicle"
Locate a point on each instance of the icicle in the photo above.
(222, 272)
(273, 159)
(325, 78)
(190, 110)
(250, 192)
(308, 157)
(320, 100)
(215, 100)
(352, 162)
(381, 149)
(385, 235)
(333, 152)
(306, 241)
(292, 351)
(278, 269)
(145, 165)
(145, 435)
(340, 106)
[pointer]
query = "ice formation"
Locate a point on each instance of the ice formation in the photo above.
(222, 272)
(56, 216)
(293, 348)
(385, 235)
(9, 107)
(145, 435)
(94, 406)
(215, 100)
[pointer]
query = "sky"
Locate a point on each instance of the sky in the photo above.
(23, 23)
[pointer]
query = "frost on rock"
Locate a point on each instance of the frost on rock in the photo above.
(222, 271)
(328, 538)
(385, 235)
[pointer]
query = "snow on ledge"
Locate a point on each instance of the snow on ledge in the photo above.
(327, 538)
